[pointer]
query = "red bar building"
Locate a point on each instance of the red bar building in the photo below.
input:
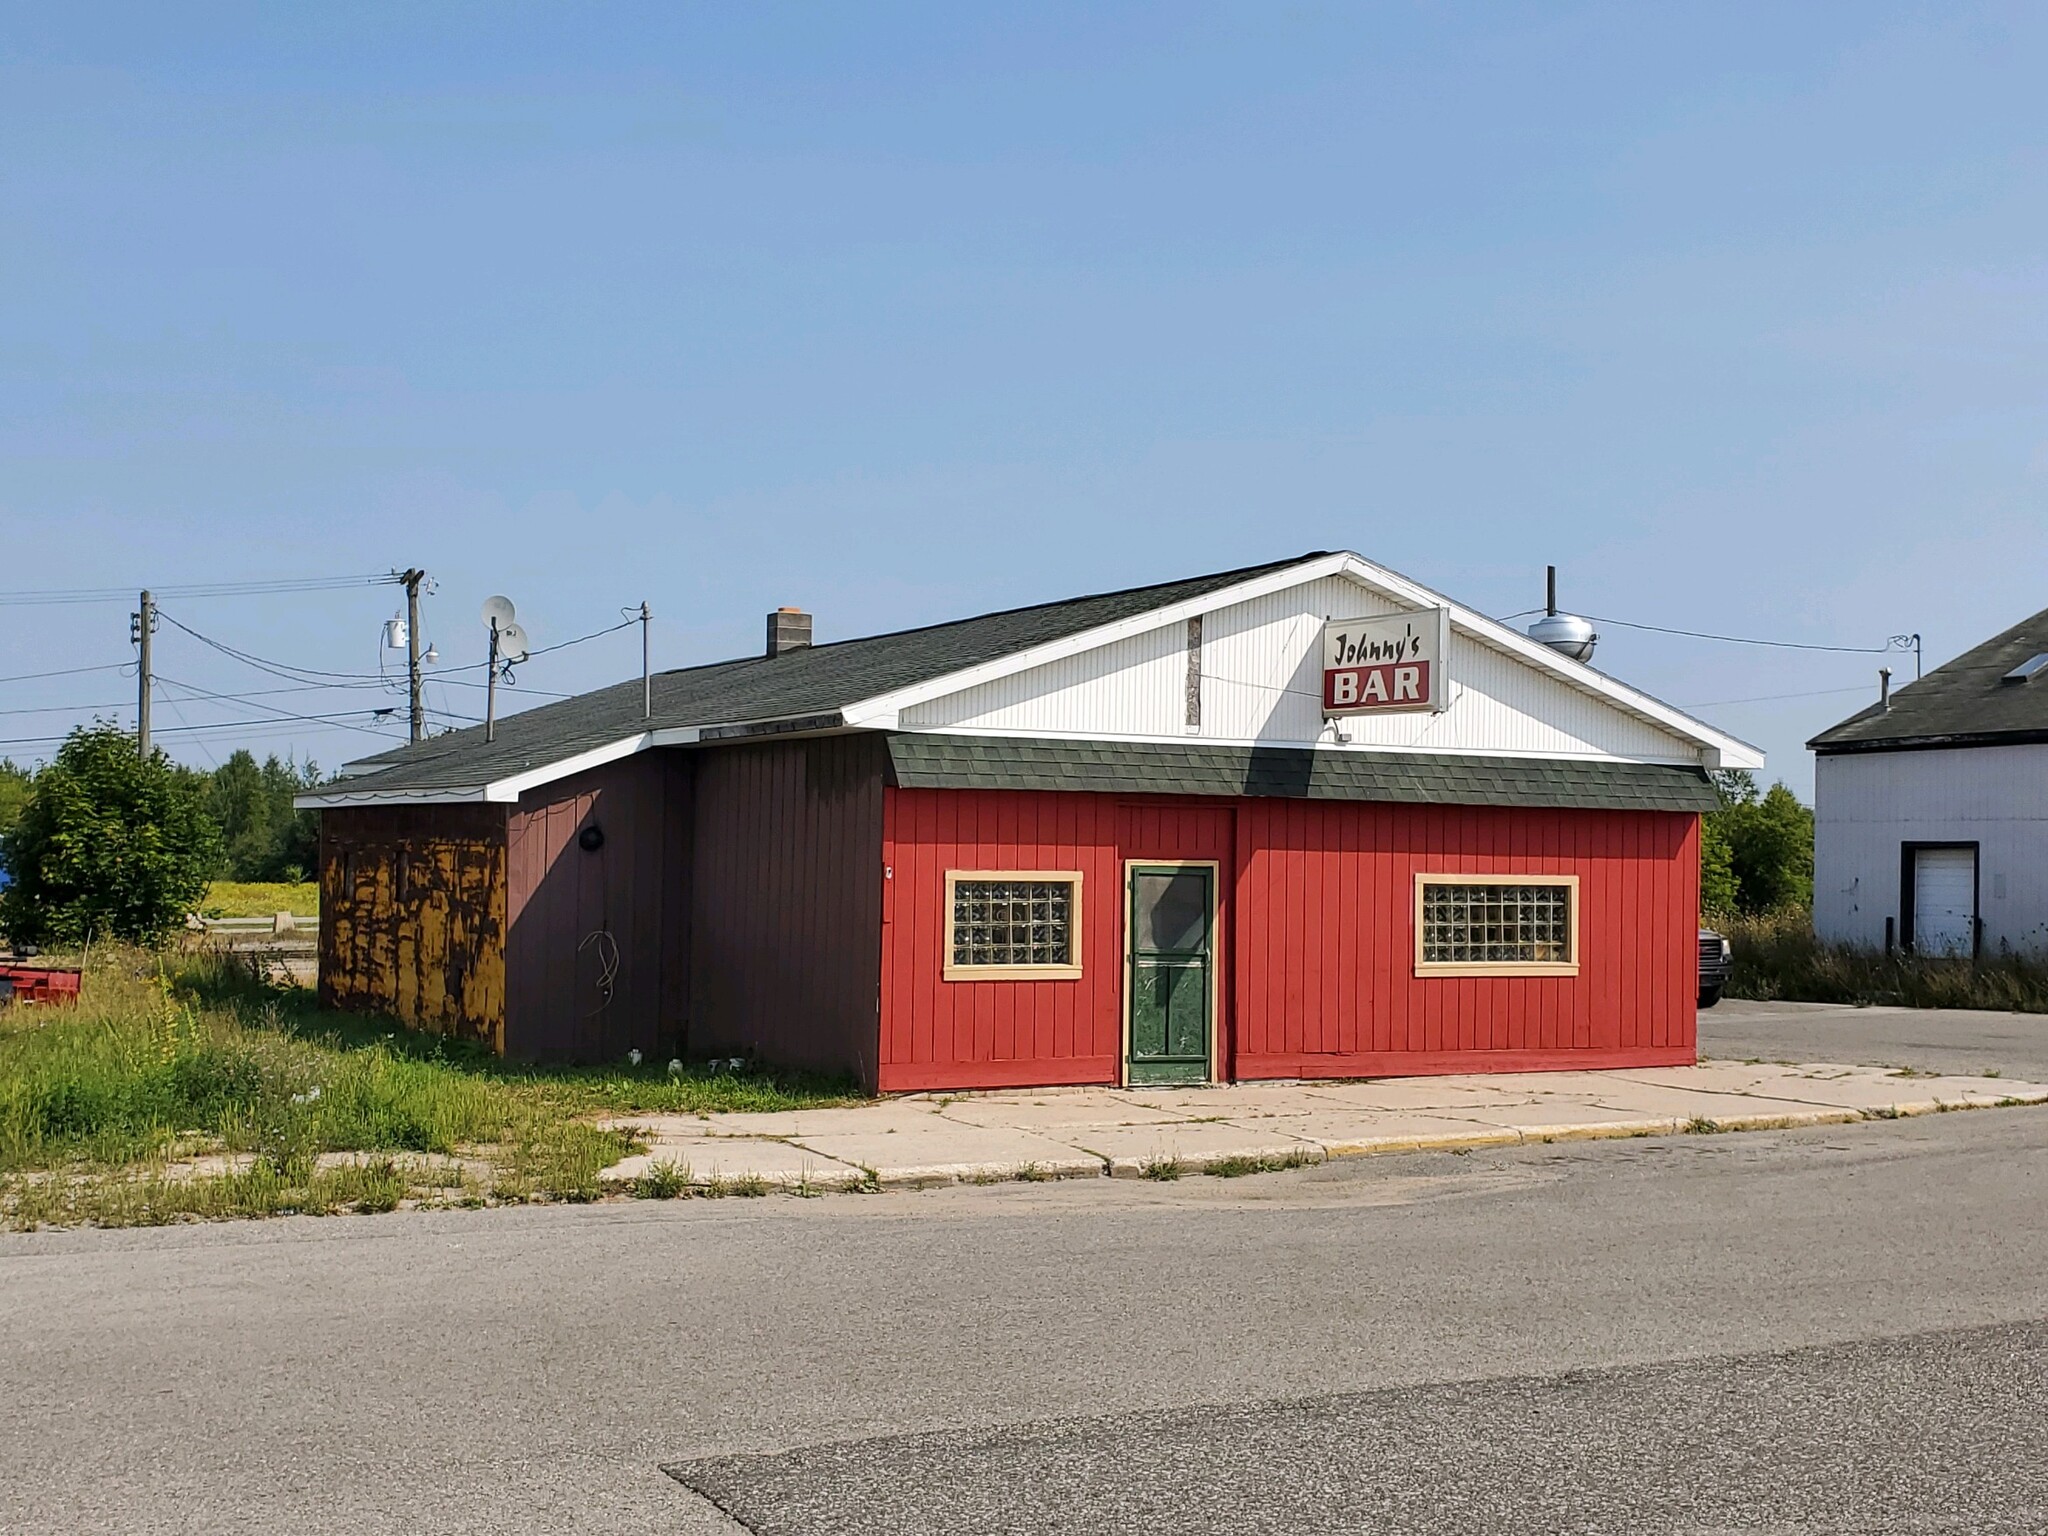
(1300, 820)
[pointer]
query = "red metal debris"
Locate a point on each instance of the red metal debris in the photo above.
(39, 983)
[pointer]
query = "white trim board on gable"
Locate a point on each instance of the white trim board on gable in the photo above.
(1260, 681)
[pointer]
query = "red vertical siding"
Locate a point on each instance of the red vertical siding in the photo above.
(1631, 1003)
(1317, 959)
(957, 1034)
(787, 903)
(573, 912)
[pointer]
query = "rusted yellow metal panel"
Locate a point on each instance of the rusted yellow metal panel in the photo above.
(413, 917)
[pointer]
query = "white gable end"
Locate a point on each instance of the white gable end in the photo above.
(1260, 681)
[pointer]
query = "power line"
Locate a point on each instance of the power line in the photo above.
(282, 714)
(1783, 645)
(43, 597)
(27, 677)
(595, 634)
(1771, 698)
(286, 670)
(293, 672)
(244, 727)
(68, 709)
(172, 705)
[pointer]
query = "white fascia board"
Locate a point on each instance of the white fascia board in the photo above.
(512, 787)
(328, 800)
(889, 705)
(1716, 749)
(505, 790)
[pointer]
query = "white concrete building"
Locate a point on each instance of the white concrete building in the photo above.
(1931, 808)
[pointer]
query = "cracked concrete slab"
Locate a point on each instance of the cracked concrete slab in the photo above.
(944, 1154)
(1070, 1132)
(1055, 1116)
(1130, 1150)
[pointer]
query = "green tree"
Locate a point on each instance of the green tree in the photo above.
(1768, 842)
(241, 809)
(295, 839)
(109, 845)
(262, 837)
(1772, 848)
(14, 790)
(1717, 868)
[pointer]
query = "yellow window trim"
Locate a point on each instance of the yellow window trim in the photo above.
(1498, 967)
(948, 971)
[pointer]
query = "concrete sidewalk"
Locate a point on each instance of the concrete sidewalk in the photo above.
(1136, 1132)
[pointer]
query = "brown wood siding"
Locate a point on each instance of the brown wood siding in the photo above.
(598, 962)
(412, 916)
(786, 918)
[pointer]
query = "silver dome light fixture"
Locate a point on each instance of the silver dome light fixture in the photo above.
(1565, 633)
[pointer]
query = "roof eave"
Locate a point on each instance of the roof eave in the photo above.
(1933, 741)
(504, 790)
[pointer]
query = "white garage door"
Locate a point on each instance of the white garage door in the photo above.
(1944, 900)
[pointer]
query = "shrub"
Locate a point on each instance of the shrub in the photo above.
(109, 845)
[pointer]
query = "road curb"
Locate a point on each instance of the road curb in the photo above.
(1263, 1154)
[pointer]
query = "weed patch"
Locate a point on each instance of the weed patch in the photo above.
(1777, 958)
(1239, 1167)
(665, 1180)
(168, 1059)
(1164, 1169)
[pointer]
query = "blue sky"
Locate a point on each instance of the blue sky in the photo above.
(904, 312)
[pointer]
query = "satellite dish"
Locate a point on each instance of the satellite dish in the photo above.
(498, 611)
(511, 643)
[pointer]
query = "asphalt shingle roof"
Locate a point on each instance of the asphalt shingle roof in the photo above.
(933, 761)
(817, 680)
(1963, 703)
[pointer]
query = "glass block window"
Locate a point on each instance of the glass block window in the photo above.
(1467, 924)
(1016, 924)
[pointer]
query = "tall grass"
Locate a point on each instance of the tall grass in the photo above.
(1777, 958)
(163, 1060)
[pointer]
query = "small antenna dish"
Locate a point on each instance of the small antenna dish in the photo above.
(498, 611)
(512, 644)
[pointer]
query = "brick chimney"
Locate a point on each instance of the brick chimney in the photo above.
(789, 629)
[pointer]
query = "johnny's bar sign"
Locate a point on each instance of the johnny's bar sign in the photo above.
(1393, 662)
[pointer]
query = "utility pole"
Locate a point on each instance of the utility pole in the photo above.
(143, 623)
(491, 688)
(412, 580)
(646, 668)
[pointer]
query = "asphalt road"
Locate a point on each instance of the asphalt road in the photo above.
(1828, 1329)
(1933, 1040)
(1932, 1432)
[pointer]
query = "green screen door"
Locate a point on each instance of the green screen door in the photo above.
(1171, 970)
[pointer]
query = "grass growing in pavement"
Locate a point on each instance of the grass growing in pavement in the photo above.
(1778, 959)
(1238, 1167)
(103, 1104)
